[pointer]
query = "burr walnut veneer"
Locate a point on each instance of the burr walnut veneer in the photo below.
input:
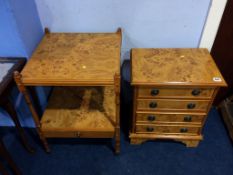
(173, 92)
(84, 69)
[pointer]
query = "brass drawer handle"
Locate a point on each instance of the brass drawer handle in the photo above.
(196, 92)
(191, 105)
(150, 129)
(153, 104)
(154, 92)
(188, 118)
(151, 118)
(183, 130)
(77, 134)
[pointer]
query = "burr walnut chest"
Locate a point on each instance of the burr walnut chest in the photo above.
(173, 92)
(84, 70)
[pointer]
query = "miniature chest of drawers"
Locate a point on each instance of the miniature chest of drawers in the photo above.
(173, 93)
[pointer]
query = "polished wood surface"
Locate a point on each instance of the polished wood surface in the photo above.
(80, 109)
(158, 117)
(136, 138)
(167, 129)
(174, 67)
(84, 69)
(74, 59)
(173, 93)
(172, 105)
(147, 92)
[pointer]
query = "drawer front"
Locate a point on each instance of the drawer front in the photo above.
(167, 129)
(164, 104)
(153, 92)
(169, 118)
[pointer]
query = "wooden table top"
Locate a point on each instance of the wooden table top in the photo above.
(74, 59)
(175, 67)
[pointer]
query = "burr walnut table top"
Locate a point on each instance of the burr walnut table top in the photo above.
(175, 67)
(74, 58)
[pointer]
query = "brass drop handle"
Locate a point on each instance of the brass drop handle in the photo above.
(196, 92)
(188, 118)
(151, 118)
(150, 129)
(191, 105)
(183, 130)
(153, 104)
(154, 92)
(77, 134)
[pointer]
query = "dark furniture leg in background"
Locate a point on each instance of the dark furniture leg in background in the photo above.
(3, 169)
(11, 111)
(5, 154)
(222, 51)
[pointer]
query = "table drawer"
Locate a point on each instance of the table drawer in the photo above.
(169, 104)
(153, 92)
(169, 129)
(169, 118)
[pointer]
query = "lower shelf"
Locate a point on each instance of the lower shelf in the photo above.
(80, 112)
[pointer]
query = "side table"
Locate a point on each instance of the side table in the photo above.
(84, 69)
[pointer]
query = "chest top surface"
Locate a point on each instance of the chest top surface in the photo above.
(74, 58)
(174, 67)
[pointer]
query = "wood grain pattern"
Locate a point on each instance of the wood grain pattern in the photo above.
(174, 67)
(74, 59)
(167, 129)
(169, 118)
(140, 138)
(24, 91)
(164, 81)
(172, 105)
(191, 143)
(80, 109)
(178, 92)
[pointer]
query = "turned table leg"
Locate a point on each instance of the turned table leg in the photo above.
(35, 116)
(5, 154)
(11, 111)
(117, 101)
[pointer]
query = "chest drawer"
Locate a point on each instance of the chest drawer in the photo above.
(166, 129)
(169, 118)
(153, 92)
(169, 104)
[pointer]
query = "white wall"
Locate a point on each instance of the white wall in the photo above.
(211, 27)
(145, 23)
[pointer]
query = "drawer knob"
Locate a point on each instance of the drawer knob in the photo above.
(196, 92)
(191, 105)
(183, 130)
(154, 92)
(188, 118)
(150, 129)
(151, 118)
(153, 104)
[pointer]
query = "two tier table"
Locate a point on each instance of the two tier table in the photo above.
(173, 93)
(84, 70)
